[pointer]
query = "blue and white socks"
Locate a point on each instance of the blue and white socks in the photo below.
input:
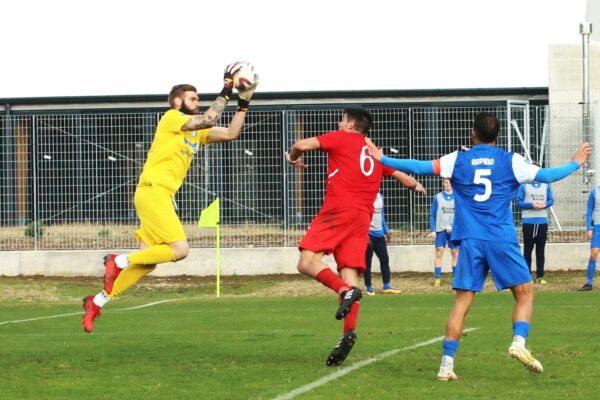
(450, 347)
(520, 332)
(437, 271)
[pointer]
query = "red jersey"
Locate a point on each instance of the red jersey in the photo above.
(353, 175)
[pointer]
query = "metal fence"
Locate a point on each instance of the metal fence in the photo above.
(67, 181)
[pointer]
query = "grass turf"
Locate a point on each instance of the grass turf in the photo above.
(264, 347)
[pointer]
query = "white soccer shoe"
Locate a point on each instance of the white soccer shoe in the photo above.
(525, 357)
(446, 372)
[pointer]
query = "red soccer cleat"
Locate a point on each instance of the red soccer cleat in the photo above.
(111, 271)
(92, 311)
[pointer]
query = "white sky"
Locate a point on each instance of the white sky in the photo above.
(120, 47)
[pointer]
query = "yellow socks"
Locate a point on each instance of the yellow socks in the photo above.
(129, 277)
(152, 255)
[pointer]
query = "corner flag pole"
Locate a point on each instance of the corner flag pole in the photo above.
(209, 218)
(218, 259)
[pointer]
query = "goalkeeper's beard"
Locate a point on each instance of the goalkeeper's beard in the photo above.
(187, 111)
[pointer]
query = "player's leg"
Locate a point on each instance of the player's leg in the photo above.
(454, 254)
(528, 243)
(540, 253)
(471, 271)
(454, 247)
(350, 275)
(523, 295)
(345, 343)
(348, 255)
(510, 271)
(368, 261)
(160, 229)
(327, 230)
(591, 270)
(380, 248)
(124, 280)
(131, 275)
(310, 264)
(454, 328)
(437, 269)
(591, 267)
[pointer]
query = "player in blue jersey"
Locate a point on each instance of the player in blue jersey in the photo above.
(592, 222)
(534, 199)
(441, 218)
(485, 179)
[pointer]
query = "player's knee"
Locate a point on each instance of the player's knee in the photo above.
(303, 266)
(181, 250)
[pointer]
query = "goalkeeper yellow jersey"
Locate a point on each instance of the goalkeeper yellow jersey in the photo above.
(171, 152)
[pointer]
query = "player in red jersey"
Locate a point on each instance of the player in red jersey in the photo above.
(342, 225)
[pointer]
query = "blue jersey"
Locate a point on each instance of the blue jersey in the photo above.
(485, 179)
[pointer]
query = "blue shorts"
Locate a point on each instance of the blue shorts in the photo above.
(477, 257)
(595, 237)
(443, 239)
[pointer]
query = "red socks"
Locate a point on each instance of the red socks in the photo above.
(351, 318)
(330, 279)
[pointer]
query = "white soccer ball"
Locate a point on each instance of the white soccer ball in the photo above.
(245, 77)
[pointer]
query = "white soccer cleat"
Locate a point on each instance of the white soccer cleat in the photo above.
(446, 371)
(525, 357)
(446, 375)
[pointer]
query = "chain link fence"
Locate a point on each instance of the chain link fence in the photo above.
(67, 181)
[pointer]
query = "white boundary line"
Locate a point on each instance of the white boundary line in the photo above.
(347, 370)
(18, 321)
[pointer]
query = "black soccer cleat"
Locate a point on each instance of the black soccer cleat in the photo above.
(341, 349)
(347, 298)
(586, 288)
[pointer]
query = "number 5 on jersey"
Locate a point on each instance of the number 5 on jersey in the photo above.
(481, 179)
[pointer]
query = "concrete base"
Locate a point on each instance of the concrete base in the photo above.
(253, 261)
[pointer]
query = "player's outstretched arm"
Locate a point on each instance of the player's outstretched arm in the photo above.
(406, 165)
(554, 174)
(233, 131)
(209, 118)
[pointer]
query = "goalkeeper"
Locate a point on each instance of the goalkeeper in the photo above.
(179, 134)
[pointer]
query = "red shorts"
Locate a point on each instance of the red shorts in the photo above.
(343, 232)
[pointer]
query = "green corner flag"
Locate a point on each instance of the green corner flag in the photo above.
(209, 217)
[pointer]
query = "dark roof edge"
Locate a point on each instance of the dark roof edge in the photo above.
(532, 91)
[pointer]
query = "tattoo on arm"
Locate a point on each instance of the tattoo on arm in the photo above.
(198, 122)
(208, 119)
(219, 105)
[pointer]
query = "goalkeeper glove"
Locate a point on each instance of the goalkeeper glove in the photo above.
(228, 75)
(245, 95)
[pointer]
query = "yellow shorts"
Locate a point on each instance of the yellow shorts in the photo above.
(159, 223)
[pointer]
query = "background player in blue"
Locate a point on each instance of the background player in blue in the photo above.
(379, 235)
(592, 222)
(534, 199)
(441, 218)
(485, 179)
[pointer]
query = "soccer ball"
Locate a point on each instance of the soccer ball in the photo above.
(245, 77)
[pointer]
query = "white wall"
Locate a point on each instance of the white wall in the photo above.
(256, 261)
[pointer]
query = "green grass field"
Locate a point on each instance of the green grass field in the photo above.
(251, 347)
